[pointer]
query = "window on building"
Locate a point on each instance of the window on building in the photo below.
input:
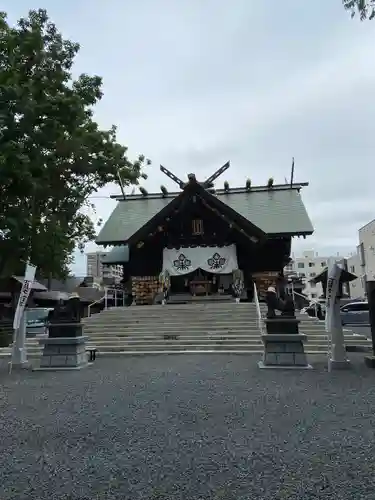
(352, 269)
(312, 275)
(311, 264)
(197, 226)
(301, 265)
(323, 264)
(313, 295)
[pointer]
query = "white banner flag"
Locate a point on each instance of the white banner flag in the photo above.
(333, 280)
(24, 294)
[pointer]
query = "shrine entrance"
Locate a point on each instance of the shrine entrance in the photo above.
(201, 282)
(201, 271)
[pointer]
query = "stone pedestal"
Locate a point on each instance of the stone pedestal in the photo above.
(283, 345)
(338, 359)
(282, 325)
(64, 353)
(370, 361)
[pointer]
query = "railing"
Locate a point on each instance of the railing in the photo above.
(257, 305)
(329, 336)
(314, 301)
(109, 293)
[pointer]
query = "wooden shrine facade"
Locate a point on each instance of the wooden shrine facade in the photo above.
(197, 216)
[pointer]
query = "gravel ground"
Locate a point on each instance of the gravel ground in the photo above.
(188, 427)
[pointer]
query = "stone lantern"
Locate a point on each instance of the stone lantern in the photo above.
(345, 277)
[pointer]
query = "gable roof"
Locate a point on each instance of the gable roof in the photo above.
(195, 189)
(276, 211)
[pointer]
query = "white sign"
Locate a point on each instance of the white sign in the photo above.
(333, 280)
(24, 294)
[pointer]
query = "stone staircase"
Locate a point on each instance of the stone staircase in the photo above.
(189, 328)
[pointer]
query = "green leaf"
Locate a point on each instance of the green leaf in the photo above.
(53, 155)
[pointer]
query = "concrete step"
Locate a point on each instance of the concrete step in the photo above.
(199, 328)
(171, 319)
(188, 318)
(214, 329)
(203, 341)
(191, 321)
(197, 338)
(186, 307)
(176, 319)
(36, 355)
(185, 347)
(164, 311)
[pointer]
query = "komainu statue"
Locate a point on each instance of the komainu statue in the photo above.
(274, 303)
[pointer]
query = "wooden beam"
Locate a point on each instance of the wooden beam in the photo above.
(172, 176)
(207, 183)
(253, 239)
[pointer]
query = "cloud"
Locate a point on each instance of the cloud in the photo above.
(193, 84)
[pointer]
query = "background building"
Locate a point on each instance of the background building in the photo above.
(99, 271)
(362, 263)
(357, 287)
(366, 250)
(307, 266)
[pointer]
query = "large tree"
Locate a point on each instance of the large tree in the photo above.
(364, 8)
(53, 155)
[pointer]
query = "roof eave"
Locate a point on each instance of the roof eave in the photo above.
(237, 190)
(291, 234)
(269, 235)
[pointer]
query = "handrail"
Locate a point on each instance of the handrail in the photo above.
(92, 304)
(257, 305)
(329, 347)
(314, 301)
(105, 298)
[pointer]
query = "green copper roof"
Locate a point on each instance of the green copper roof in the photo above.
(118, 255)
(276, 211)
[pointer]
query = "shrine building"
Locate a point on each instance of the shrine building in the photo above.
(201, 235)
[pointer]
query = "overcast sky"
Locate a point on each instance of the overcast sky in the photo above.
(194, 83)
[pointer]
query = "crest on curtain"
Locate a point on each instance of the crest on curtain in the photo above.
(182, 263)
(216, 261)
(185, 260)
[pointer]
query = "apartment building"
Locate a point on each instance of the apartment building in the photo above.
(356, 287)
(366, 250)
(362, 263)
(96, 269)
(307, 266)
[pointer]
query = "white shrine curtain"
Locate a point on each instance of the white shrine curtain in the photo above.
(217, 260)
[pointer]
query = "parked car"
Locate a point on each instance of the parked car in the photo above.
(355, 313)
(36, 320)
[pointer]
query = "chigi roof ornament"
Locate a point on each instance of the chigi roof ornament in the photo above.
(208, 183)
